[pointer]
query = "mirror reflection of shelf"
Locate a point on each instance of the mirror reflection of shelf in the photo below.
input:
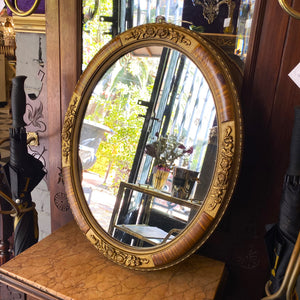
(231, 45)
(150, 234)
(149, 190)
(142, 229)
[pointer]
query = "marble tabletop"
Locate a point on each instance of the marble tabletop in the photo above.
(65, 265)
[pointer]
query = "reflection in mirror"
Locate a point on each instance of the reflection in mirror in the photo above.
(148, 146)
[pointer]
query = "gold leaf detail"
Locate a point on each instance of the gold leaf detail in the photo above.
(152, 31)
(118, 256)
(67, 129)
(221, 183)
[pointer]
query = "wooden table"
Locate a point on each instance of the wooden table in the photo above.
(65, 265)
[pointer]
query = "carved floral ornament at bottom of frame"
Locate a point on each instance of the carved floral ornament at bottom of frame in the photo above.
(116, 255)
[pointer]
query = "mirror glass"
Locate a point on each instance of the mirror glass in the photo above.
(147, 146)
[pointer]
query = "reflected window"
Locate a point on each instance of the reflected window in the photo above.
(102, 20)
(148, 93)
(227, 23)
(243, 28)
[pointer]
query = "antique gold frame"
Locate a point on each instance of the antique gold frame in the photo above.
(222, 81)
(16, 10)
(35, 23)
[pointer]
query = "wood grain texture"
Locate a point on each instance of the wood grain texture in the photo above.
(74, 205)
(185, 243)
(65, 265)
(268, 101)
(63, 69)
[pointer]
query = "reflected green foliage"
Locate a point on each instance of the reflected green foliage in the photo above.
(129, 80)
(94, 30)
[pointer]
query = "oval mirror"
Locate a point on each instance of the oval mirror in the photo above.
(151, 145)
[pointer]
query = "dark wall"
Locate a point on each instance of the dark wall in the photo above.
(268, 100)
(193, 13)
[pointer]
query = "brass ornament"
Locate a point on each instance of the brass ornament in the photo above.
(211, 8)
(289, 10)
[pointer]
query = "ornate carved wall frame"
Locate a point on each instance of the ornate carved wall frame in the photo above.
(222, 81)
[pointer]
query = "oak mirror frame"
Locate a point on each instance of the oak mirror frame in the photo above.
(224, 87)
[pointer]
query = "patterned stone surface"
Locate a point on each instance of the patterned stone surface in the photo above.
(66, 265)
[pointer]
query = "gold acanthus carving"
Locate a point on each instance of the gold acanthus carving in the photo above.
(165, 33)
(67, 129)
(117, 256)
(221, 183)
(221, 41)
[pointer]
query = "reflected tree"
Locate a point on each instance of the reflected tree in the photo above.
(115, 104)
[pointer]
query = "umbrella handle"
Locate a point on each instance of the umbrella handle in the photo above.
(15, 211)
(287, 287)
(29, 140)
(294, 276)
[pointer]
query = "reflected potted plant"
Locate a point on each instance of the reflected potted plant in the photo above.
(165, 150)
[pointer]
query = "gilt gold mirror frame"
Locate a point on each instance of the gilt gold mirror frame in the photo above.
(222, 83)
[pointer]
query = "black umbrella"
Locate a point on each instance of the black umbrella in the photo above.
(6, 224)
(281, 238)
(23, 171)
